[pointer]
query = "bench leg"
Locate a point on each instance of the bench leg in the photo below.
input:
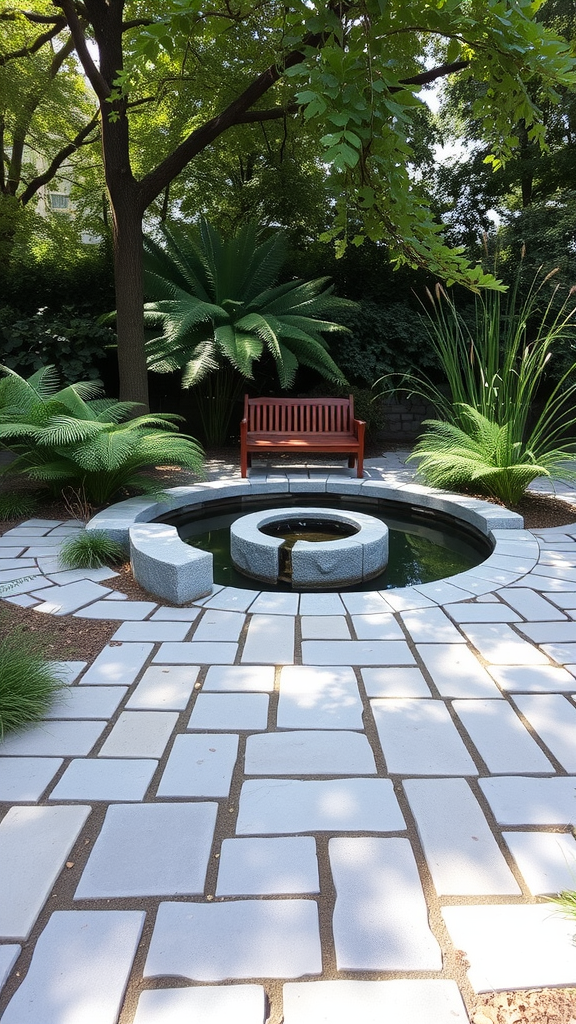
(351, 461)
(360, 465)
(243, 462)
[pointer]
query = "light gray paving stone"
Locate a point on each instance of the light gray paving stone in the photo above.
(561, 572)
(54, 739)
(276, 604)
(395, 682)
(34, 844)
(43, 548)
(377, 627)
(164, 688)
(208, 942)
(549, 632)
(232, 599)
(155, 632)
(374, 1002)
(242, 678)
(200, 766)
(501, 739)
(270, 638)
(418, 737)
(313, 752)
(547, 860)
(548, 584)
(567, 600)
(175, 615)
(36, 585)
(284, 806)
(156, 849)
(219, 626)
(356, 652)
(532, 678)
(268, 867)
(530, 604)
(564, 654)
(324, 627)
(477, 585)
(86, 985)
(217, 711)
(9, 548)
(206, 653)
(86, 702)
(408, 598)
(431, 625)
(516, 563)
(553, 718)
(76, 575)
(499, 644)
(486, 598)
(456, 672)
(512, 947)
(380, 920)
(23, 531)
(24, 779)
(125, 611)
(443, 592)
(521, 801)
(68, 671)
(21, 574)
(89, 778)
(321, 604)
(15, 563)
(243, 1004)
(368, 603)
(491, 574)
(115, 595)
(461, 852)
(139, 734)
(70, 597)
(482, 612)
(24, 601)
(318, 698)
(8, 957)
(117, 665)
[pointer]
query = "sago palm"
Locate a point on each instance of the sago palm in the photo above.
(218, 307)
(70, 438)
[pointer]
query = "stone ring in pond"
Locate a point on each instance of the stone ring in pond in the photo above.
(311, 548)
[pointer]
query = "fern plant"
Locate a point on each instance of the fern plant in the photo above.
(217, 305)
(71, 437)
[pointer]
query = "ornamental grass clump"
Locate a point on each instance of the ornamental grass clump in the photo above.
(91, 549)
(28, 683)
(501, 423)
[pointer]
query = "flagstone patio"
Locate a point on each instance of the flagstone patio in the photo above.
(307, 808)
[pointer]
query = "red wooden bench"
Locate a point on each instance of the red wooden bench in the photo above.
(301, 425)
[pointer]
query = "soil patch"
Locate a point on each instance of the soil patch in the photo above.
(540, 1006)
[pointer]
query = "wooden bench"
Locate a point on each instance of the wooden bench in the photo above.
(301, 425)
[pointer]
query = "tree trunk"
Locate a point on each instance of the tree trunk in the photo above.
(130, 301)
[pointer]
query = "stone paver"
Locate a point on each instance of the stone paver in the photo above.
(518, 801)
(243, 678)
(127, 611)
(72, 596)
(461, 852)
(431, 625)
(270, 638)
(207, 653)
(230, 711)
(34, 844)
(243, 1004)
(499, 644)
(500, 737)
(395, 682)
(357, 652)
(309, 753)
(86, 702)
(119, 664)
(79, 969)
(510, 947)
(200, 766)
(139, 734)
(249, 939)
(156, 849)
(24, 779)
(8, 957)
(455, 671)
(319, 698)
(324, 627)
(380, 919)
(532, 678)
(377, 627)
(155, 631)
(418, 737)
(547, 860)
(283, 806)
(267, 867)
(164, 688)
(218, 625)
(373, 1002)
(553, 718)
(102, 779)
(530, 604)
(53, 739)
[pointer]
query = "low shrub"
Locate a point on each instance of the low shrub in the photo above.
(28, 683)
(90, 550)
(17, 504)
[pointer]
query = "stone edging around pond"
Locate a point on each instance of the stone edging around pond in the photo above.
(168, 568)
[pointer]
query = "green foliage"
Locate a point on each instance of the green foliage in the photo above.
(73, 438)
(90, 550)
(71, 340)
(383, 339)
(28, 684)
(17, 504)
(490, 437)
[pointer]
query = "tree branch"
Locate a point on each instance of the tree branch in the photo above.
(426, 77)
(37, 19)
(51, 171)
(27, 51)
(97, 80)
(137, 23)
(274, 114)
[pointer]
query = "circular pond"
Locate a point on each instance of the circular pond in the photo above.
(424, 544)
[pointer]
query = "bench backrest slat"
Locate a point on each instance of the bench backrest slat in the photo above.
(299, 415)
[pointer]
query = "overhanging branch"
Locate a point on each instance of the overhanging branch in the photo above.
(42, 179)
